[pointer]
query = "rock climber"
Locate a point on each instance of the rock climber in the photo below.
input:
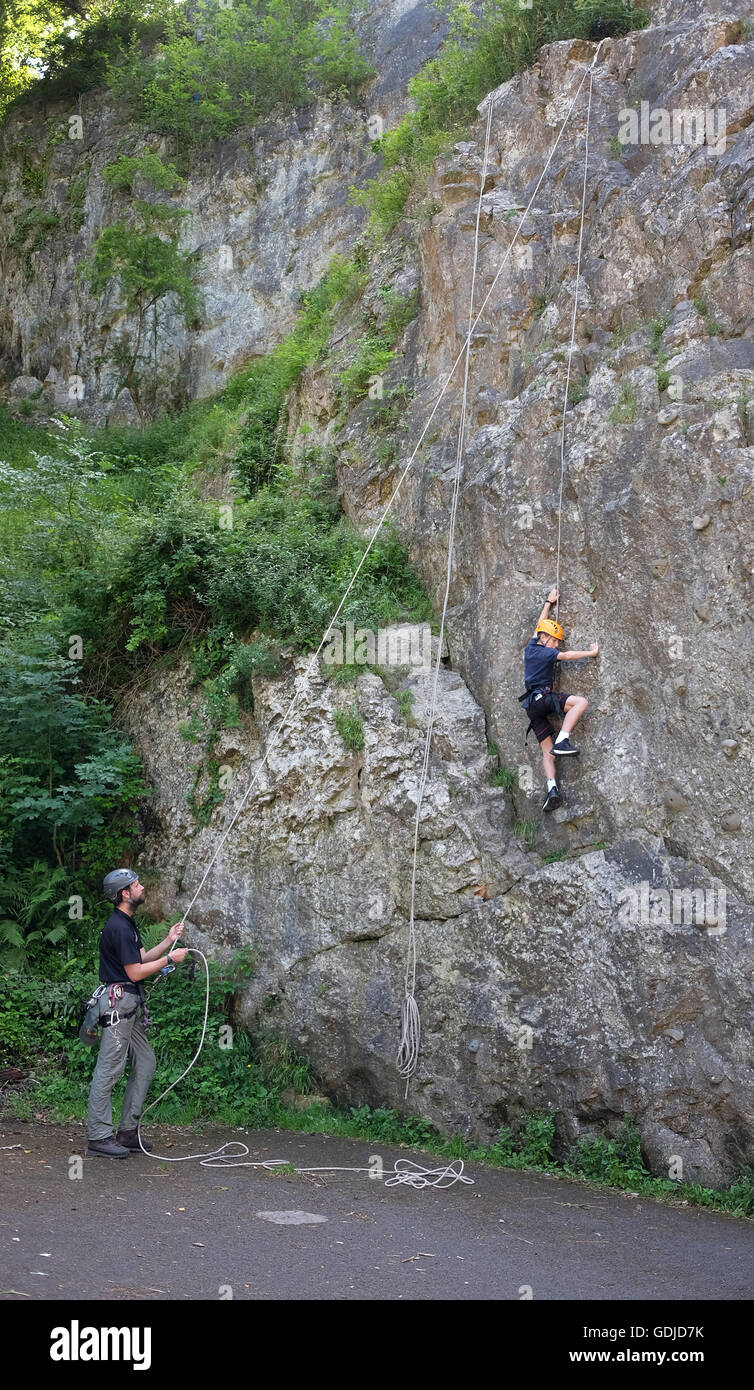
(540, 699)
(123, 964)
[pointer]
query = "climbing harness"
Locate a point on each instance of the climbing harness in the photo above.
(406, 1173)
(539, 701)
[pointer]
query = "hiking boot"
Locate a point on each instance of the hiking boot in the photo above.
(552, 800)
(130, 1138)
(108, 1148)
(565, 746)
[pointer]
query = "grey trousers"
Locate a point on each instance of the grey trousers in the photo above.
(122, 1042)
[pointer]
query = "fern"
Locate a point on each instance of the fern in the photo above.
(30, 898)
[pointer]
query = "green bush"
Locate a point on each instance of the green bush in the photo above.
(32, 229)
(146, 565)
(483, 50)
(64, 771)
(196, 73)
(29, 900)
(122, 174)
(40, 1016)
(372, 358)
(263, 387)
(250, 59)
(281, 570)
(45, 59)
(504, 777)
(617, 1161)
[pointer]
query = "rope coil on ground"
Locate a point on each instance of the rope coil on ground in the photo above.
(235, 1154)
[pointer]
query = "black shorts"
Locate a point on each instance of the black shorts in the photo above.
(553, 702)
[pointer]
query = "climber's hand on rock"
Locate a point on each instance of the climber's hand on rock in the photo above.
(594, 650)
(552, 597)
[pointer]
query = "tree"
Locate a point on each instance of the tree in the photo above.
(63, 768)
(143, 257)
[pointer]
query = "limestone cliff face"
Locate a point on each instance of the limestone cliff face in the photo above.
(541, 986)
(616, 978)
(656, 539)
(269, 209)
(656, 566)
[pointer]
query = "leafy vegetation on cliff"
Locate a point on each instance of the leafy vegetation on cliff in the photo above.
(197, 71)
(112, 560)
(486, 46)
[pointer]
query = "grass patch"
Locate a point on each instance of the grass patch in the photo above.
(541, 301)
(350, 727)
(657, 328)
(405, 701)
(714, 329)
(625, 331)
(526, 830)
(624, 412)
(504, 777)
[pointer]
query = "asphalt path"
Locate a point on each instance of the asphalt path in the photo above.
(141, 1229)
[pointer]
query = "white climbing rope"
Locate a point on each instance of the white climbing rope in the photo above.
(235, 1153)
(408, 1052)
(573, 322)
(408, 1173)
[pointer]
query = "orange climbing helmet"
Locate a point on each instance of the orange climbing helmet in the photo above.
(552, 628)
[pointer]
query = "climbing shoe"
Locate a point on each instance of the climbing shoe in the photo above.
(565, 746)
(552, 800)
(108, 1148)
(130, 1138)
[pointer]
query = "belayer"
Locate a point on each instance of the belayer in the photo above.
(120, 1011)
(540, 699)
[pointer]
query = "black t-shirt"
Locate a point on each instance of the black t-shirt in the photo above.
(539, 665)
(119, 945)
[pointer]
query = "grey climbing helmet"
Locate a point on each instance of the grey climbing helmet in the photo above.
(119, 878)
